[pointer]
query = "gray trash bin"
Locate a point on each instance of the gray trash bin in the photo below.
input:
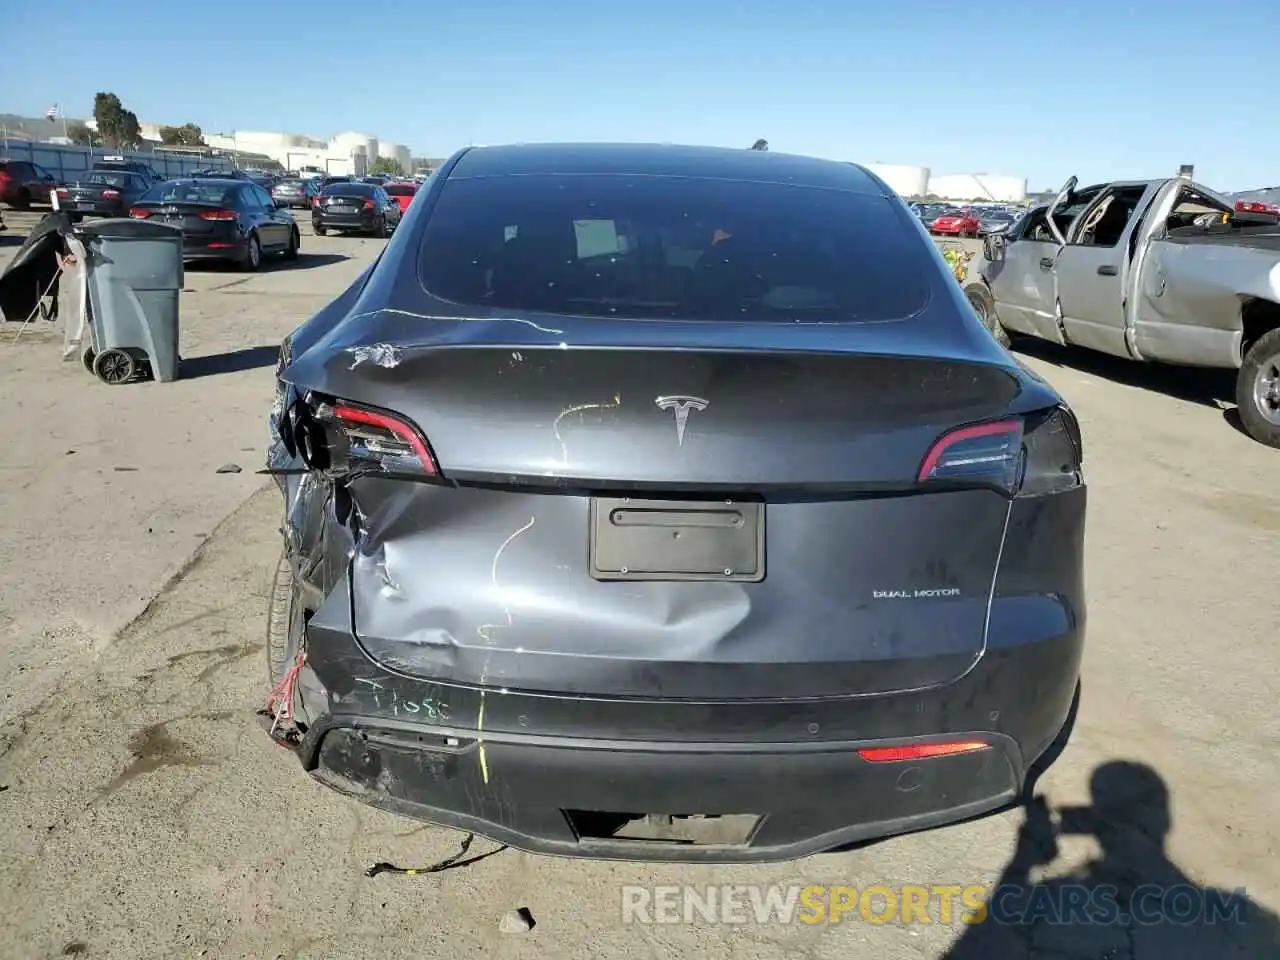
(135, 277)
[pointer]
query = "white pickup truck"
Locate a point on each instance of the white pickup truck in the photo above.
(1162, 271)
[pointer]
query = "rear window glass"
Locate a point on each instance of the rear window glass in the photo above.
(654, 247)
(110, 179)
(189, 192)
(349, 190)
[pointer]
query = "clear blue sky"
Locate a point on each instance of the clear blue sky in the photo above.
(1100, 89)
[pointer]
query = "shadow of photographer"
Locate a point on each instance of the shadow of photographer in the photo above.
(1129, 901)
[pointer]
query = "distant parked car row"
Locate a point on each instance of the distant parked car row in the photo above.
(969, 221)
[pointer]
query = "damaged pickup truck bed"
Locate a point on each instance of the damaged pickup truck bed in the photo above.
(1160, 271)
(624, 518)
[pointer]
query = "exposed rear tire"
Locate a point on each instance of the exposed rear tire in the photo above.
(21, 200)
(1258, 390)
(284, 620)
(984, 306)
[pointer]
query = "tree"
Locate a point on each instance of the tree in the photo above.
(187, 135)
(78, 132)
(761, 145)
(387, 166)
(117, 127)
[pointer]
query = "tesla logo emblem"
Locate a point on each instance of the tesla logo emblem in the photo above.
(681, 406)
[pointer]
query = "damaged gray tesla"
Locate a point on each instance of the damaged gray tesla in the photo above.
(665, 502)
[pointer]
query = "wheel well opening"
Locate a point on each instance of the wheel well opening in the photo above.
(1257, 317)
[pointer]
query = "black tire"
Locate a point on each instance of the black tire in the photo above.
(295, 241)
(318, 230)
(87, 359)
(1258, 389)
(252, 254)
(284, 620)
(984, 306)
(115, 366)
(21, 200)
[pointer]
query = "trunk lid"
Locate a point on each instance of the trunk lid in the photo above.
(187, 215)
(867, 584)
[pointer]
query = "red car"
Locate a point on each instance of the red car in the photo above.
(402, 194)
(23, 183)
(958, 223)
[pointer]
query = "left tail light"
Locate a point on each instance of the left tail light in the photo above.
(63, 192)
(342, 439)
(1023, 456)
(110, 194)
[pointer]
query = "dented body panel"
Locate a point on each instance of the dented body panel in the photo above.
(470, 661)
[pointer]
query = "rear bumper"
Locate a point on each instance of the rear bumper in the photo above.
(543, 773)
(354, 222)
(566, 797)
(218, 248)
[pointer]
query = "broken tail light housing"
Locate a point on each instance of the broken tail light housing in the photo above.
(1022, 456)
(343, 439)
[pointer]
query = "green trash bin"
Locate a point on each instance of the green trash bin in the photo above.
(135, 276)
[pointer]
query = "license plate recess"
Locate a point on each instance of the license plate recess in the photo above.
(635, 539)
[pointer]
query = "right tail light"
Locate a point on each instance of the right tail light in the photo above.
(1023, 456)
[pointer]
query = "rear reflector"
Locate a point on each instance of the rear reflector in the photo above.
(921, 751)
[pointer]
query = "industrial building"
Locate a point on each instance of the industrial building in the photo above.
(347, 153)
(909, 181)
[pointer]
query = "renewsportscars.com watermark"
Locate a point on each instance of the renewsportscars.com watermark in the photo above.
(941, 904)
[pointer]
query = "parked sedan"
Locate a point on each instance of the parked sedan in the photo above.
(956, 222)
(296, 192)
(355, 207)
(222, 219)
(402, 194)
(995, 222)
(102, 193)
(656, 502)
(23, 183)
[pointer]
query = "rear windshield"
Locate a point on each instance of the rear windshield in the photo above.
(349, 190)
(401, 189)
(186, 191)
(110, 179)
(655, 247)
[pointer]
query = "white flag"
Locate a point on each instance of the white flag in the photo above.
(53, 112)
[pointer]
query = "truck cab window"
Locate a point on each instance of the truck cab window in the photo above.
(1105, 223)
(1194, 208)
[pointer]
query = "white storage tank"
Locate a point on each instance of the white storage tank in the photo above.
(397, 152)
(906, 181)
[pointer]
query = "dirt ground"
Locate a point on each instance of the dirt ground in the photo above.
(146, 814)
